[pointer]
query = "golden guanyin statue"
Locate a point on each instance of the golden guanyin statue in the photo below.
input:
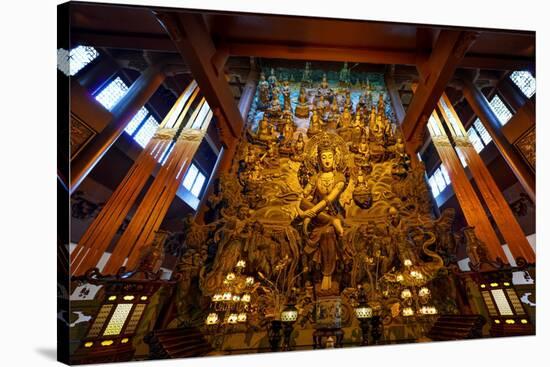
(302, 108)
(320, 208)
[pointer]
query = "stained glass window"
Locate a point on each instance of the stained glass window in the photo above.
(475, 139)
(525, 82)
(136, 120)
(499, 108)
(482, 132)
(71, 62)
(112, 93)
(146, 131)
(194, 180)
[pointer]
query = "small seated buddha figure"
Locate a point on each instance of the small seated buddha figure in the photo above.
(302, 109)
(272, 155)
(298, 149)
(315, 124)
(321, 107)
(287, 134)
(362, 150)
(345, 119)
(362, 193)
(333, 115)
(265, 131)
(274, 109)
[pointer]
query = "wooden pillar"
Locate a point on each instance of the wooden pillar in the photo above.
(470, 204)
(102, 230)
(482, 109)
(495, 201)
(138, 94)
(151, 211)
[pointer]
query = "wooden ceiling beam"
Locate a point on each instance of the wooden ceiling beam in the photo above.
(314, 53)
(436, 73)
(372, 56)
(192, 40)
(128, 41)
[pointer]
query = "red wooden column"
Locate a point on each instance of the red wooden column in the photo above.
(495, 201)
(138, 94)
(483, 110)
(102, 230)
(151, 211)
(470, 204)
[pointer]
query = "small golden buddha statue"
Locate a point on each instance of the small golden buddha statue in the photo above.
(345, 119)
(302, 109)
(265, 131)
(315, 124)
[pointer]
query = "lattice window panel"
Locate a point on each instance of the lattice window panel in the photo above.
(451, 118)
(525, 82)
(112, 93)
(100, 320)
(462, 158)
(434, 126)
(71, 62)
(475, 139)
(134, 320)
(136, 120)
(445, 175)
(489, 303)
(502, 302)
(485, 136)
(433, 185)
(499, 108)
(516, 303)
(146, 132)
(440, 180)
(116, 323)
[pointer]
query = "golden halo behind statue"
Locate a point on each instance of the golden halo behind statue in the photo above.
(336, 141)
